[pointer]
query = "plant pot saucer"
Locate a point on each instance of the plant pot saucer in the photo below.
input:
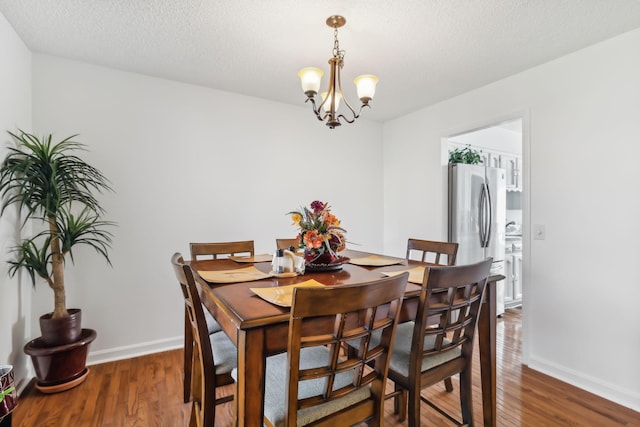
(49, 389)
(62, 367)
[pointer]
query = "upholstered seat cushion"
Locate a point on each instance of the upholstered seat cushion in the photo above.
(225, 354)
(276, 386)
(212, 325)
(402, 349)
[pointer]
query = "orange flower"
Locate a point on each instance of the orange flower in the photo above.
(330, 219)
(313, 239)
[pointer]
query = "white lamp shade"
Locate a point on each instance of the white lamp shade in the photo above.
(366, 86)
(327, 106)
(310, 78)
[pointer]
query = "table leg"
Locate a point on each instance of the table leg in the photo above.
(251, 371)
(487, 347)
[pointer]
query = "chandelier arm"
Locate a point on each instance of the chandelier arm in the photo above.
(344, 98)
(316, 111)
(346, 119)
(355, 116)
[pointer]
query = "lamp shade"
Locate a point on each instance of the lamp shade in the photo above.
(366, 87)
(310, 80)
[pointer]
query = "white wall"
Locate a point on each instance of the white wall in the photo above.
(192, 164)
(581, 119)
(493, 138)
(15, 112)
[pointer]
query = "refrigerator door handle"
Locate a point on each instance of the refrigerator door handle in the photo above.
(481, 216)
(490, 219)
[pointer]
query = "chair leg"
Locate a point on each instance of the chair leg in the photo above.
(414, 408)
(188, 357)
(400, 403)
(466, 402)
(448, 385)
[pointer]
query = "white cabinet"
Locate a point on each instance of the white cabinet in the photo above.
(513, 281)
(511, 164)
(490, 159)
(517, 278)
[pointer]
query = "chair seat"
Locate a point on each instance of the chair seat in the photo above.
(224, 353)
(276, 386)
(212, 324)
(401, 350)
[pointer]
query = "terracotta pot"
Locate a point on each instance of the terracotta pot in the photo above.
(8, 392)
(61, 367)
(55, 332)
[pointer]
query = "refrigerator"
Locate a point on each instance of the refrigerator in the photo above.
(477, 216)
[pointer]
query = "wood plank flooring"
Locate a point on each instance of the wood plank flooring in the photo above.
(147, 392)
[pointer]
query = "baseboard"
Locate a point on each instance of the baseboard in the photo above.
(612, 392)
(127, 352)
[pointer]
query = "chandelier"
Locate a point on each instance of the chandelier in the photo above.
(310, 79)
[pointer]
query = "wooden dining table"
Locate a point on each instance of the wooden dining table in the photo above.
(260, 329)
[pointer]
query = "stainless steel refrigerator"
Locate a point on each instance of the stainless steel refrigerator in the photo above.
(477, 215)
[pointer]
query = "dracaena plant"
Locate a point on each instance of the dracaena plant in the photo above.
(49, 183)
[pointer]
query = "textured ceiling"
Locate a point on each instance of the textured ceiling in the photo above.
(423, 51)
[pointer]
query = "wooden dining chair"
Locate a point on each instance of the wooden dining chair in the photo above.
(287, 243)
(216, 249)
(323, 387)
(212, 358)
(425, 353)
(432, 251)
(177, 261)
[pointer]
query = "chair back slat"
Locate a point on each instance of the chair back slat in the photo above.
(217, 249)
(432, 251)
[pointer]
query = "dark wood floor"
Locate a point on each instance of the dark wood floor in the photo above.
(147, 391)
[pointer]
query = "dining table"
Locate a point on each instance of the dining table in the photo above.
(259, 328)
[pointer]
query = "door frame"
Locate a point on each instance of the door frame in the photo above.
(488, 122)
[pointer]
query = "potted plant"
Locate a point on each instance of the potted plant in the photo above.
(465, 155)
(54, 188)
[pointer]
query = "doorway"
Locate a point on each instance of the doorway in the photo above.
(500, 145)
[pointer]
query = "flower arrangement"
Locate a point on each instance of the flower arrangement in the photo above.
(320, 230)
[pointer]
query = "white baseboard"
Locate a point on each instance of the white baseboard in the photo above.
(612, 392)
(127, 352)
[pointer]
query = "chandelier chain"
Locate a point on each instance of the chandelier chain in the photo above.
(336, 45)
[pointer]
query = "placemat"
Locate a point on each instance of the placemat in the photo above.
(416, 274)
(283, 295)
(246, 274)
(255, 258)
(375, 261)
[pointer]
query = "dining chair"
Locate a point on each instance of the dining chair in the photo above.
(287, 243)
(215, 249)
(323, 387)
(177, 261)
(432, 251)
(212, 356)
(425, 353)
